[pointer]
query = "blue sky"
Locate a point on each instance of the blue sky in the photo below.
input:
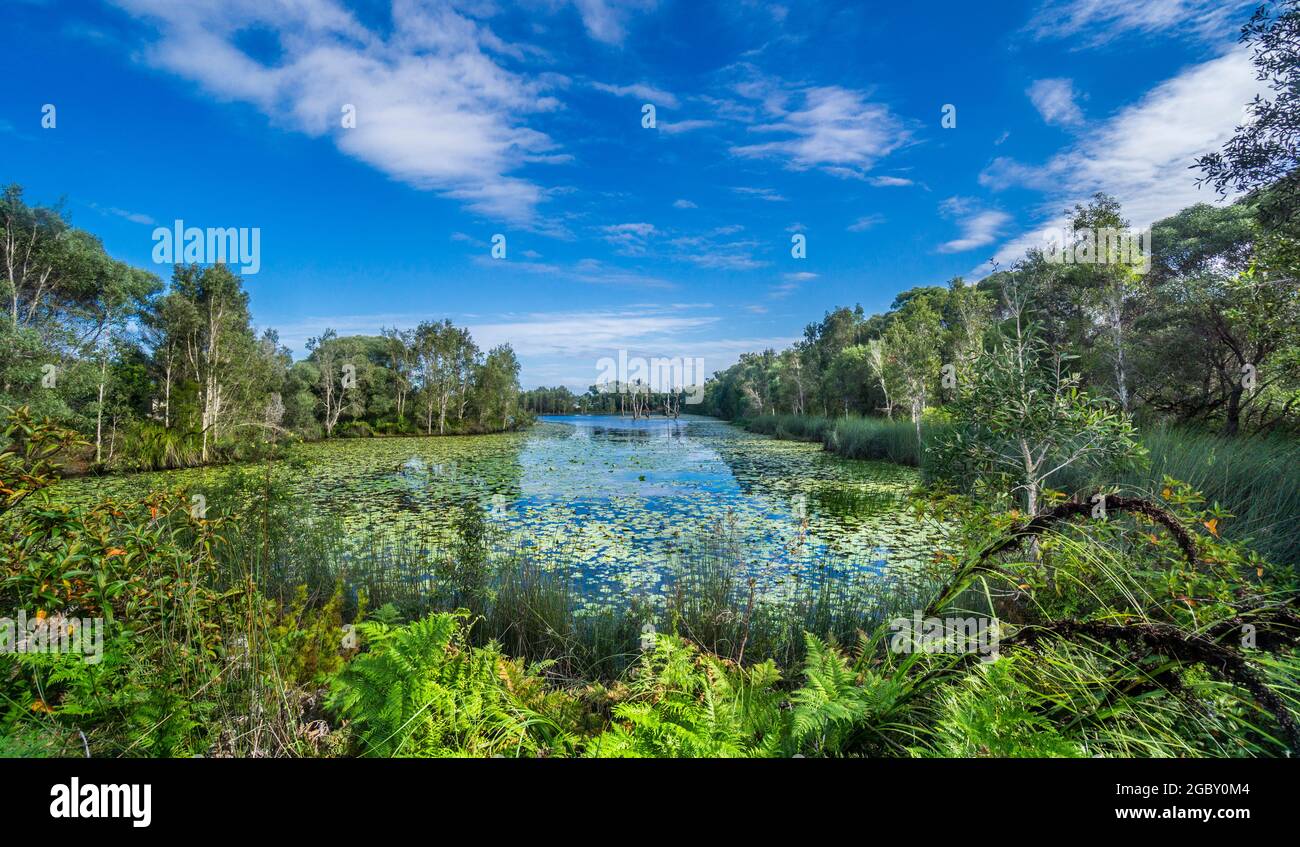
(525, 119)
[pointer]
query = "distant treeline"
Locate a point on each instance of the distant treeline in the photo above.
(1209, 335)
(630, 400)
(156, 375)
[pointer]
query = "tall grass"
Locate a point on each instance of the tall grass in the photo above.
(535, 608)
(791, 427)
(880, 438)
(1254, 477)
(851, 437)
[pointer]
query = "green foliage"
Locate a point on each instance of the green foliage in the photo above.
(421, 690)
(1021, 418)
(852, 437)
(992, 712)
(682, 703)
(306, 639)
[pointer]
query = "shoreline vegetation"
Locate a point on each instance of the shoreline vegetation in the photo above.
(1121, 581)
(1254, 477)
(1110, 443)
(1113, 639)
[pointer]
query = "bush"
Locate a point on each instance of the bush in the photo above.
(355, 429)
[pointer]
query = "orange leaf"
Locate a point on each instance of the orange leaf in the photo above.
(1213, 526)
(39, 706)
(116, 551)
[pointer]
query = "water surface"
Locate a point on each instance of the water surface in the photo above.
(612, 500)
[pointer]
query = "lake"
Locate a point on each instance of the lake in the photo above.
(612, 500)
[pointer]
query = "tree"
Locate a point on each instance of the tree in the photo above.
(848, 376)
(220, 350)
(877, 363)
(1223, 312)
(1262, 155)
(401, 362)
(1022, 419)
(912, 341)
(330, 369)
(1109, 284)
(496, 388)
(124, 292)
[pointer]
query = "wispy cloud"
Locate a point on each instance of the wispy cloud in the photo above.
(434, 107)
(587, 271)
(761, 193)
(790, 283)
(606, 20)
(125, 214)
(865, 223)
(1091, 23)
(678, 127)
(629, 239)
(835, 129)
(1143, 155)
(641, 91)
(1055, 101)
(978, 226)
(588, 334)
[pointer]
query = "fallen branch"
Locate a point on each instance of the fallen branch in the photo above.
(1168, 640)
(1044, 521)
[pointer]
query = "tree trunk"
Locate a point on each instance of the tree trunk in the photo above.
(1232, 422)
(99, 415)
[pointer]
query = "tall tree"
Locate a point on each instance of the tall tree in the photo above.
(1262, 155)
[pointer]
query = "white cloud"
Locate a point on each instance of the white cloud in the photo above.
(641, 91)
(677, 127)
(1143, 155)
(125, 214)
(977, 227)
(434, 109)
(629, 239)
(760, 193)
(865, 223)
(586, 334)
(1054, 100)
(684, 204)
(791, 284)
(832, 128)
(730, 260)
(1091, 23)
(606, 20)
(587, 271)
(890, 181)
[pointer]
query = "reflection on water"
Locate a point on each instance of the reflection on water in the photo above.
(613, 500)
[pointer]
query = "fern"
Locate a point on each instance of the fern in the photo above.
(422, 691)
(686, 704)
